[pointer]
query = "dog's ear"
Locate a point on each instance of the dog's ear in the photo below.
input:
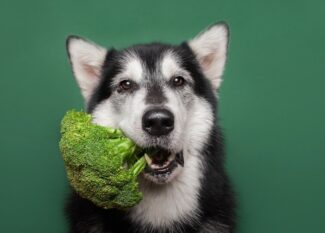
(210, 48)
(86, 59)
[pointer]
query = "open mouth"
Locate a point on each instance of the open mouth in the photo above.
(161, 164)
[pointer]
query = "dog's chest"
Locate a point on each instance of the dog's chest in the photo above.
(162, 206)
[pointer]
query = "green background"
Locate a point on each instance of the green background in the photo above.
(272, 101)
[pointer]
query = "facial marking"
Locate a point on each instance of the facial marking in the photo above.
(169, 65)
(132, 68)
(155, 94)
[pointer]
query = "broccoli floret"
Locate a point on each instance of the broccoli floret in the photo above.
(102, 164)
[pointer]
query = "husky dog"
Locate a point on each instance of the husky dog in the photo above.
(161, 96)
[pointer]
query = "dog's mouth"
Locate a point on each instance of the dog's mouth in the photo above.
(161, 164)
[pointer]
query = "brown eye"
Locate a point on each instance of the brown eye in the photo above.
(125, 85)
(178, 81)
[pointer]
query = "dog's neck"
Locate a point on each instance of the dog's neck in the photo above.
(177, 201)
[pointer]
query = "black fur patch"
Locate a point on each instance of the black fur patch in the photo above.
(111, 67)
(155, 94)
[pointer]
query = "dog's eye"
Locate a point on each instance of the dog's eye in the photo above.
(125, 85)
(178, 81)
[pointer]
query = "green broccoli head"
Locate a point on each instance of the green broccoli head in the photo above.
(102, 163)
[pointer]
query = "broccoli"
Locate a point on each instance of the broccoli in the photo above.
(102, 164)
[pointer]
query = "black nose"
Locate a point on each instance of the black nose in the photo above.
(158, 122)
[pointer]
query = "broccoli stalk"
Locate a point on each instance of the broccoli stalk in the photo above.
(102, 164)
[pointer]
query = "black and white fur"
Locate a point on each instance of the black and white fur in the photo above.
(195, 198)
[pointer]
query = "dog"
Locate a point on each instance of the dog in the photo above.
(161, 96)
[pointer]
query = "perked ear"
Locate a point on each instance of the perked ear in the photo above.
(86, 59)
(210, 48)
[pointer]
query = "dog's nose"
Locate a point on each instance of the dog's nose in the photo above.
(158, 122)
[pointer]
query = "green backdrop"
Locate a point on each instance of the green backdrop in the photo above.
(272, 101)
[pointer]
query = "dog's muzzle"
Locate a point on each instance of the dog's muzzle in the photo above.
(161, 165)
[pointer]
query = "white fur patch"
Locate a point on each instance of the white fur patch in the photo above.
(210, 48)
(198, 126)
(105, 115)
(87, 60)
(170, 67)
(175, 201)
(174, 103)
(178, 200)
(131, 121)
(132, 69)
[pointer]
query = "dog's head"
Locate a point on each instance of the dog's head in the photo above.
(161, 96)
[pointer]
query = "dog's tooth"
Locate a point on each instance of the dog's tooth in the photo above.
(148, 159)
(172, 157)
(166, 163)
